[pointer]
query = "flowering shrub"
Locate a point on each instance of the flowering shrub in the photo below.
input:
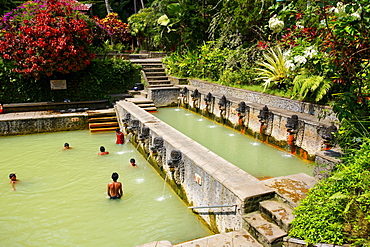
(118, 31)
(44, 37)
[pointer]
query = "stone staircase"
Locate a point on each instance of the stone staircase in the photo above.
(271, 223)
(153, 72)
(140, 99)
(102, 120)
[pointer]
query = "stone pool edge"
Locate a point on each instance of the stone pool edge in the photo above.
(207, 178)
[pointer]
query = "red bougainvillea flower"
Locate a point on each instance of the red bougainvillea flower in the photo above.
(45, 36)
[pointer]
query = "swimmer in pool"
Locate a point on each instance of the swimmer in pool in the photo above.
(13, 180)
(66, 146)
(115, 188)
(132, 162)
(102, 151)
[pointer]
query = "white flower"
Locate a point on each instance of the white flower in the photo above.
(340, 6)
(356, 15)
(276, 25)
(309, 52)
(300, 59)
(333, 10)
(287, 54)
(289, 65)
(299, 25)
(322, 23)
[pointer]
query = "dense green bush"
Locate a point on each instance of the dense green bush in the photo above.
(336, 210)
(223, 65)
(97, 81)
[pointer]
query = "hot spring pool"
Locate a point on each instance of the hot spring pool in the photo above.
(257, 158)
(61, 197)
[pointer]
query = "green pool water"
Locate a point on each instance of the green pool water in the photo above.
(61, 195)
(254, 157)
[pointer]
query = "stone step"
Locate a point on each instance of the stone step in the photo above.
(134, 92)
(96, 130)
(160, 85)
(103, 124)
(278, 212)
(140, 100)
(101, 113)
(102, 119)
(156, 74)
(149, 69)
(291, 189)
(144, 94)
(159, 82)
(157, 78)
(145, 105)
(150, 109)
(240, 238)
(267, 233)
(151, 65)
(138, 56)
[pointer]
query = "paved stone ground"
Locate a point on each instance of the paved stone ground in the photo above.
(239, 238)
(292, 188)
(35, 114)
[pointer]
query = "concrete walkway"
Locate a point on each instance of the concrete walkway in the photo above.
(36, 115)
(239, 238)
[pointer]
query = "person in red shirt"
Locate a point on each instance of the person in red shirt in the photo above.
(102, 151)
(120, 137)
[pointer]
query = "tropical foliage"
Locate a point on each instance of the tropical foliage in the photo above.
(96, 81)
(273, 69)
(336, 211)
(310, 88)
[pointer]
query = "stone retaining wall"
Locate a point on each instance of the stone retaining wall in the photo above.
(267, 99)
(197, 175)
(307, 140)
(43, 123)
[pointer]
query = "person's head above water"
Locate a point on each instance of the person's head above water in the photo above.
(132, 162)
(11, 175)
(115, 176)
(66, 145)
(102, 149)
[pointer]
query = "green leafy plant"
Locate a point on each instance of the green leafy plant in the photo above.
(336, 211)
(310, 88)
(272, 71)
(96, 81)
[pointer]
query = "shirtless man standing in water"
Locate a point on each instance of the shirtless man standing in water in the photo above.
(115, 188)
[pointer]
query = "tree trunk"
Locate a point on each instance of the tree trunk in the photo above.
(107, 6)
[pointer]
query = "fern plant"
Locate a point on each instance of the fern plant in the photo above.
(272, 70)
(310, 87)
